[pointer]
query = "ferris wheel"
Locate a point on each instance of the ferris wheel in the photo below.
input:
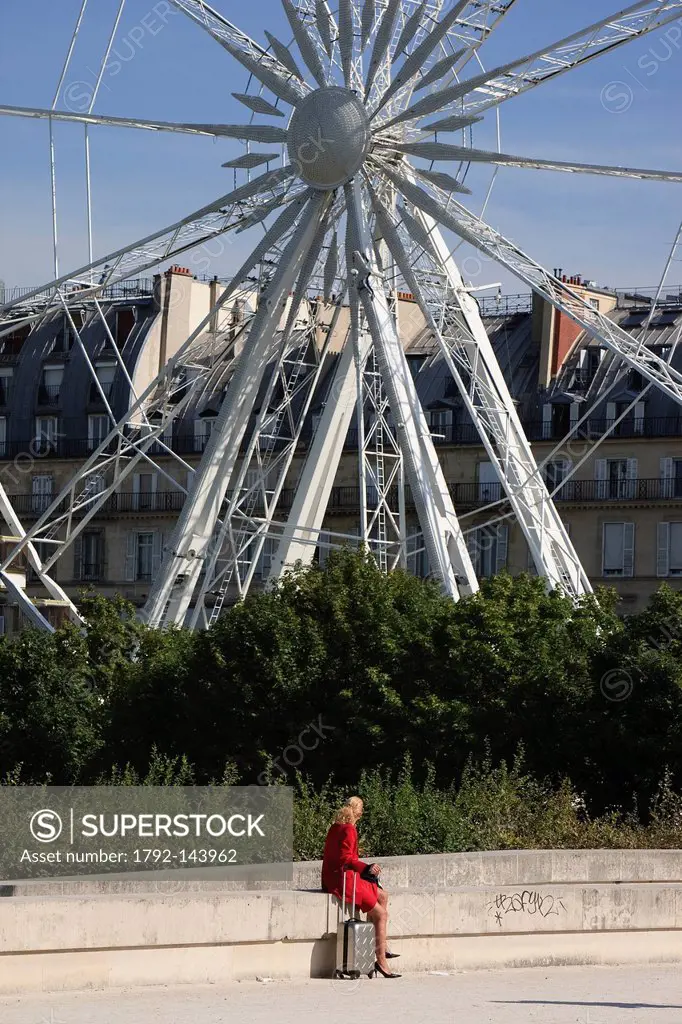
(359, 131)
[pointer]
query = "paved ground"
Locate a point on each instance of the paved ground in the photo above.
(578, 995)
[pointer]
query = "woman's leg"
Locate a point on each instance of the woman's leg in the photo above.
(379, 918)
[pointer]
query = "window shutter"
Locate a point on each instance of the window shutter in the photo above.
(78, 558)
(639, 417)
(610, 413)
(663, 550)
(600, 475)
(547, 420)
(502, 547)
(531, 567)
(474, 549)
(628, 549)
(157, 552)
(190, 480)
(667, 478)
(574, 413)
(131, 554)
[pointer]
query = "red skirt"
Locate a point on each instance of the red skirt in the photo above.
(366, 893)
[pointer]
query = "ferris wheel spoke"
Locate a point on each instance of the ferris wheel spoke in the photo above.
(225, 214)
(476, 232)
(382, 42)
(441, 151)
(439, 70)
(326, 26)
(346, 40)
(369, 12)
(410, 29)
(489, 89)
(266, 68)
(420, 55)
(214, 130)
(306, 45)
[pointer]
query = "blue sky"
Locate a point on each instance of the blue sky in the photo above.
(165, 67)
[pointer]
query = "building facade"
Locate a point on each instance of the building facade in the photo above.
(617, 480)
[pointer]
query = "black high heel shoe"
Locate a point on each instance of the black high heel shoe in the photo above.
(392, 956)
(384, 974)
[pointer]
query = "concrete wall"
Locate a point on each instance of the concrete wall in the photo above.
(468, 911)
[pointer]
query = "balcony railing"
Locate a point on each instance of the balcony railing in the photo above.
(95, 396)
(91, 572)
(48, 395)
(116, 504)
(455, 434)
(346, 500)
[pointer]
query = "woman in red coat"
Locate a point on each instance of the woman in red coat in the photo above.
(341, 852)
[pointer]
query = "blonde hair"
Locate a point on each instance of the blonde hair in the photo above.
(349, 813)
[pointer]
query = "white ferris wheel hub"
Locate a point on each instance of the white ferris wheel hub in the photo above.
(329, 137)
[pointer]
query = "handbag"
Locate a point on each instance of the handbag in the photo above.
(369, 876)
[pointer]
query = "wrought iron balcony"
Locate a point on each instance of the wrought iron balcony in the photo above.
(116, 504)
(48, 395)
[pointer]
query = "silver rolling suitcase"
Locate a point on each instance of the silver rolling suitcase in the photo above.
(355, 942)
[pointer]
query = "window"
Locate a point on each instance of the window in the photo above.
(671, 478)
(415, 364)
(555, 473)
(323, 543)
(106, 373)
(669, 557)
(616, 478)
(143, 556)
(165, 438)
(47, 431)
(488, 549)
(89, 556)
(203, 428)
(93, 484)
(65, 338)
(144, 491)
(439, 418)
(125, 321)
(3, 437)
(489, 486)
(417, 557)
(5, 384)
(635, 380)
(50, 385)
(266, 556)
(618, 557)
(98, 429)
(556, 419)
(41, 492)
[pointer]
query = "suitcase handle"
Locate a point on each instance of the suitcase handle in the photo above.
(343, 891)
